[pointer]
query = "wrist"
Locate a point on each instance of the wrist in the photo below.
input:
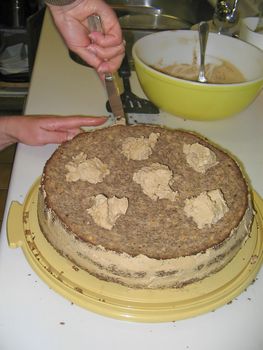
(7, 131)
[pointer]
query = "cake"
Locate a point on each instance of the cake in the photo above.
(144, 206)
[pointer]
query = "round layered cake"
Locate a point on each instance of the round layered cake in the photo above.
(144, 206)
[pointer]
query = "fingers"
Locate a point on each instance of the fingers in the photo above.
(56, 137)
(106, 39)
(106, 53)
(88, 56)
(105, 58)
(109, 66)
(42, 130)
(67, 123)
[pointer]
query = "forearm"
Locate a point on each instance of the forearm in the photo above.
(7, 128)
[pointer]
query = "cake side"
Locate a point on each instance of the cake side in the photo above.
(141, 271)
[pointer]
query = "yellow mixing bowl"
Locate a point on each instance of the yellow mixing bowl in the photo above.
(194, 100)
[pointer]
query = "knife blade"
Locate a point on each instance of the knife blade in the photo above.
(138, 110)
(94, 23)
(114, 96)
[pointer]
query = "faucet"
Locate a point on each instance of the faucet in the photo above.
(226, 17)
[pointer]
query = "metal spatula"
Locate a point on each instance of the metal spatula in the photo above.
(133, 105)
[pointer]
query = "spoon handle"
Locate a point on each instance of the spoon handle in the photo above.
(203, 36)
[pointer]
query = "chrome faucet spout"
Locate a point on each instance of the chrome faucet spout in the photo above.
(226, 16)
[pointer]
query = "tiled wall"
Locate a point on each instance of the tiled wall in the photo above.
(6, 163)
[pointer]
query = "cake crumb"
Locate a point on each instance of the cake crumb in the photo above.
(253, 259)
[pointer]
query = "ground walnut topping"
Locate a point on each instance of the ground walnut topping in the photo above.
(199, 157)
(155, 181)
(80, 168)
(207, 208)
(139, 148)
(105, 211)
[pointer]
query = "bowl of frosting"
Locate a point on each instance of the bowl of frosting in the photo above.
(167, 65)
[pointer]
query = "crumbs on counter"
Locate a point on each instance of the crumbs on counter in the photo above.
(75, 268)
(253, 259)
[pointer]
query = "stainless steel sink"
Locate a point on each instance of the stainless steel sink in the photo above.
(142, 17)
(191, 11)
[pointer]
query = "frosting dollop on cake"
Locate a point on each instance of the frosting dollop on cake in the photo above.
(139, 148)
(199, 157)
(155, 181)
(207, 208)
(105, 211)
(91, 170)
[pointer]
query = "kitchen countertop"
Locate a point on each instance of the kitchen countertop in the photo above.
(32, 315)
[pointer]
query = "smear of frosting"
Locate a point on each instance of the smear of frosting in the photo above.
(139, 148)
(207, 208)
(92, 170)
(199, 157)
(106, 211)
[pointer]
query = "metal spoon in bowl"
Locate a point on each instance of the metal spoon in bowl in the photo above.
(203, 36)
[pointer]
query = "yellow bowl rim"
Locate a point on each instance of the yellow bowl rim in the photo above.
(190, 82)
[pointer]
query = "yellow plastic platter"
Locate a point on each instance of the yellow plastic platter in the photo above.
(113, 300)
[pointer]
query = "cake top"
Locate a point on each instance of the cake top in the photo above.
(145, 190)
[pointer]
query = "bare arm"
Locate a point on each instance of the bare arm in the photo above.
(41, 130)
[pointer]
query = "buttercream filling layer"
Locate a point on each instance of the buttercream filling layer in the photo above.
(141, 271)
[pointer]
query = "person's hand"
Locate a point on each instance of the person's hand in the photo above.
(104, 51)
(40, 130)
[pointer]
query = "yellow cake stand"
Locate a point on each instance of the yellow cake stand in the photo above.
(116, 301)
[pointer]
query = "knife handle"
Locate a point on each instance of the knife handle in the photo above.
(95, 25)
